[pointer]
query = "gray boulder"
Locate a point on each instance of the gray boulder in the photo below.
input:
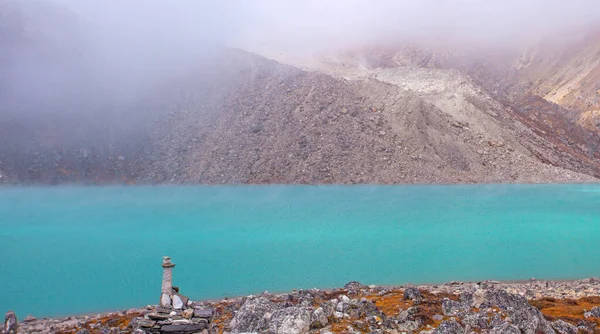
(319, 319)
(449, 327)
(389, 323)
(595, 312)
(367, 308)
(452, 307)
(407, 314)
(250, 317)
(409, 326)
(526, 317)
(290, 320)
(531, 321)
(354, 287)
(505, 328)
(562, 327)
(413, 294)
(476, 320)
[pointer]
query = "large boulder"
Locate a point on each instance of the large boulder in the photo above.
(290, 320)
(453, 307)
(408, 314)
(250, 317)
(526, 317)
(505, 328)
(367, 308)
(354, 287)
(562, 327)
(319, 319)
(413, 294)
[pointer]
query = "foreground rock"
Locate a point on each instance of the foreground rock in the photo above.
(486, 307)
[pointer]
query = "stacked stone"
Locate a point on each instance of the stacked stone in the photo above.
(10, 323)
(176, 313)
(188, 319)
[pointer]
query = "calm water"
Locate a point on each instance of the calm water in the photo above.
(76, 250)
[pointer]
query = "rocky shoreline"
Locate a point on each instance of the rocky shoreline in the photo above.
(535, 306)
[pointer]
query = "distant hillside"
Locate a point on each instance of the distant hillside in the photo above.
(568, 75)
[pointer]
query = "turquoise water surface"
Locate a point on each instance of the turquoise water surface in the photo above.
(73, 250)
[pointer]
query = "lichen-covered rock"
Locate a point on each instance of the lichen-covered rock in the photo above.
(408, 326)
(505, 328)
(476, 298)
(367, 308)
(388, 323)
(526, 317)
(496, 321)
(449, 327)
(319, 319)
(562, 327)
(354, 287)
(595, 312)
(453, 308)
(250, 317)
(476, 320)
(407, 314)
(290, 320)
(413, 294)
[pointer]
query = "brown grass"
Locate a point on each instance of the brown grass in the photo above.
(569, 310)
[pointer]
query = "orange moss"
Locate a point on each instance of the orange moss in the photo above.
(222, 318)
(569, 310)
(341, 326)
(391, 303)
(120, 321)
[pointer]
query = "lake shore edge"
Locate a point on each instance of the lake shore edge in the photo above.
(546, 306)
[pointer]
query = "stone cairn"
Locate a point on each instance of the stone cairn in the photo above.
(175, 313)
(10, 323)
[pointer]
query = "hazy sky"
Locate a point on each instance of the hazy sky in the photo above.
(321, 23)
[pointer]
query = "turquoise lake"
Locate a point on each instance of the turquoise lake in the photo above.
(72, 250)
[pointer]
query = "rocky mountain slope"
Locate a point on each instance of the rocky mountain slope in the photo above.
(567, 75)
(403, 115)
(264, 122)
(401, 125)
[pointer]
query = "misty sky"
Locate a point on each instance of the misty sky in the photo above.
(320, 23)
(85, 48)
